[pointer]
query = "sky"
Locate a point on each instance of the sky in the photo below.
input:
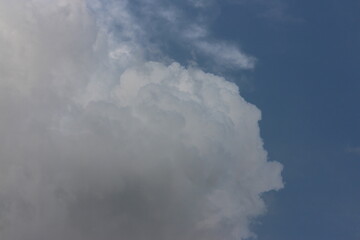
(159, 119)
(306, 84)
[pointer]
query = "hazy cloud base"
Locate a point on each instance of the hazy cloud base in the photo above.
(96, 142)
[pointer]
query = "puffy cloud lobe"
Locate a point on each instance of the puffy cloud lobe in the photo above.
(95, 145)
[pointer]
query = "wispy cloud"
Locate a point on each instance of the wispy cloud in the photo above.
(227, 54)
(273, 10)
(353, 150)
(169, 22)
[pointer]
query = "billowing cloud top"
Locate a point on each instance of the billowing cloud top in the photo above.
(98, 142)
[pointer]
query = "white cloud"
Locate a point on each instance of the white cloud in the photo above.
(96, 142)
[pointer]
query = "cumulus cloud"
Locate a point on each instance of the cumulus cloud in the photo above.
(97, 142)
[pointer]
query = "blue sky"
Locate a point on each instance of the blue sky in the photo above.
(306, 83)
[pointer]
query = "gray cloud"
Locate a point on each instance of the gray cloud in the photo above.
(97, 142)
